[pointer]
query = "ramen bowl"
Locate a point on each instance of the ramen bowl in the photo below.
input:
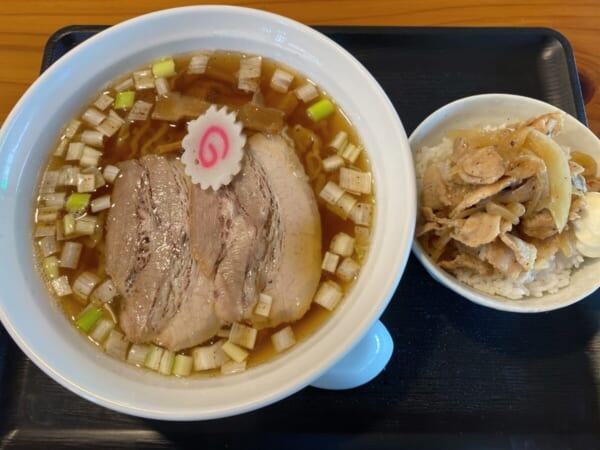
(36, 322)
(494, 110)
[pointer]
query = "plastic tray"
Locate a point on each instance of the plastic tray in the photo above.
(462, 376)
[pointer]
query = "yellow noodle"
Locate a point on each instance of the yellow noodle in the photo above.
(164, 127)
(135, 139)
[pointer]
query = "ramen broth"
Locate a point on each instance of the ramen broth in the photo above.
(138, 138)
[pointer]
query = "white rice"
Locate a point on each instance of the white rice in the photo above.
(534, 283)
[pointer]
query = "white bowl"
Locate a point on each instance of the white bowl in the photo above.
(494, 110)
(37, 324)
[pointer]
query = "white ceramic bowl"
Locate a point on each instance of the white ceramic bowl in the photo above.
(39, 327)
(494, 110)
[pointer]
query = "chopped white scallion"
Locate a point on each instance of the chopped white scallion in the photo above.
(105, 292)
(346, 203)
(137, 354)
(348, 269)
(263, 306)
(204, 358)
(232, 367)
(243, 335)
(351, 153)
(46, 214)
(84, 284)
(283, 339)
(362, 213)
(166, 362)
(153, 357)
(249, 74)
(103, 102)
(50, 266)
(93, 117)
(109, 127)
(339, 141)
(355, 181)
(116, 344)
(139, 110)
(54, 199)
(332, 163)
(72, 128)
(61, 148)
(90, 157)
(100, 203)
(68, 225)
(331, 192)
(328, 295)
(143, 79)
(281, 80)
(110, 173)
(69, 257)
(307, 92)
(101, 329)
(124, 85)
(86, 182)
(198, 64)
(99, 180)
(68, 176)
(234, 351)
(61, 286)
(342, 244)
(330, 262)
(44, 230)
(49, 181)
(74, 151)
(94, 138)
(49, 245)
(86, 226)
(182, 366)
(162, 86)
(362, 235)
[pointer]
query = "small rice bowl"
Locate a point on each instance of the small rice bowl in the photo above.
(534, 283)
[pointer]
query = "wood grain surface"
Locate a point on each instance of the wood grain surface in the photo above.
(25, 26)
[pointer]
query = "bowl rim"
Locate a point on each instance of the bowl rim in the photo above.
(446, 279)
(361, 326)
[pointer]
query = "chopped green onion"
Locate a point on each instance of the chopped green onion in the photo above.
(331, 192)
(351, 153)
(77, 202)
(49, 245)
(105, 292)
(346, 203)
(355, 181)
(153, 357)
(166, 362)
(283, 339)
(93, 117)
(72, 128)
(88, 318)
(43, 230)
(124, 100)
(320, 110)
(342, 244)
(103, 102)
(330, 262)
(164, 68)
(348, 269)
(61, 286)
(116, 345)
(91, 137)
(137, 354)
(68, 224)
(263, 306)
(339, 141)
(101, 330)
(243, 335)
(362, 213)
(234, 352)
(328, 295)
(51, 267)
(69, 257)
(143, 79)
(182, 366)
(84, 284)
(332, 163)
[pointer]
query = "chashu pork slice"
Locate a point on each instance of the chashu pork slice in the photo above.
(148, 252)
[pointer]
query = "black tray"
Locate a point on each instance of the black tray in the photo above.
(462, 376)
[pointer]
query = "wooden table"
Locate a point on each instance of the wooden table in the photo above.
(25, 25)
